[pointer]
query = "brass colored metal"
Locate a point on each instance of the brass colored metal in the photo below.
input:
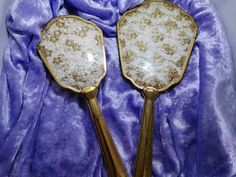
(41, 53)
(172, 84)
(143, 166)
(113, 162)
(111, 156)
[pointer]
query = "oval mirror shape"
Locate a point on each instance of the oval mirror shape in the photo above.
(73, 50)
(155, 43)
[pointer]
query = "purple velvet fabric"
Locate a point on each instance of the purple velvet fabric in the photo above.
(46, 131)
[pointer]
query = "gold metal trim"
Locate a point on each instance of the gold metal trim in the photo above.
(46, 28)
(189, 51)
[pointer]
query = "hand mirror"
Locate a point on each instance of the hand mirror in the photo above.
(73, 51)
(155, 43)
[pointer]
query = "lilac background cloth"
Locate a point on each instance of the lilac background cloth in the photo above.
(47, 131)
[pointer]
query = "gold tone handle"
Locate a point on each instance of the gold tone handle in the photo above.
(111, 155)
(143, 165)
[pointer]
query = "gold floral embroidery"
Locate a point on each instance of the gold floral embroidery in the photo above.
(123, 22)
(169, 49)
(158, 37)
(81, 32)
(157, 13)
(128, 74)
(159, 58)
(127, 56)
(185, 16)
(147, 22)
(57, 60)
(178, 17)
(131, 13)
(77, 77)
(182, 34)
(47, 52)
(75, 46)
(192, 27)
(184, 38)
(140, 74)
(186, 41)
(173, 74)
(133, 35)
(141, 46)
(169, 6)
(180, 62)
(141, 82)
(122, 43)
(170, 25)
(158, 84)
(55, 36)
(61, 24)
(98, 40)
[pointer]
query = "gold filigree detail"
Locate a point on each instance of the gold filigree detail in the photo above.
(158, 84)
(158, 37)
(184, 38)
(169, 49)
(157, 13)
(133, 35)
(168, 6)
(178, 17)
(55, 36)
(77, 77)
(173, 74)
(82, 32)
(59, 59)
(186, 41)
(141, 46)
(47, 52)
(182, 34)
(72, 44)
(131, 13)
(98, 40)
(128, 74)
(180, 62)
(159, 58)
(61, 24)
(122, 43)
(123, 22)
(147, 22)
(185, 16)
(192, 27)
(140, 74)
(141, 83)
(170, 25)
(127, 56)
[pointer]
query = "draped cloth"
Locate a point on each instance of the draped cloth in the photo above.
(46, 131)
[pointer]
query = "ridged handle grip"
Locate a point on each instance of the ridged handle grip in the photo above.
(113, 162)
(143, 165)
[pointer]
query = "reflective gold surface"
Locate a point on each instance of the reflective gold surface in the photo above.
(155, 43)
(73, 51)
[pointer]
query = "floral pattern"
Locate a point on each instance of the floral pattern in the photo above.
(73, 49)
(155, 40)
